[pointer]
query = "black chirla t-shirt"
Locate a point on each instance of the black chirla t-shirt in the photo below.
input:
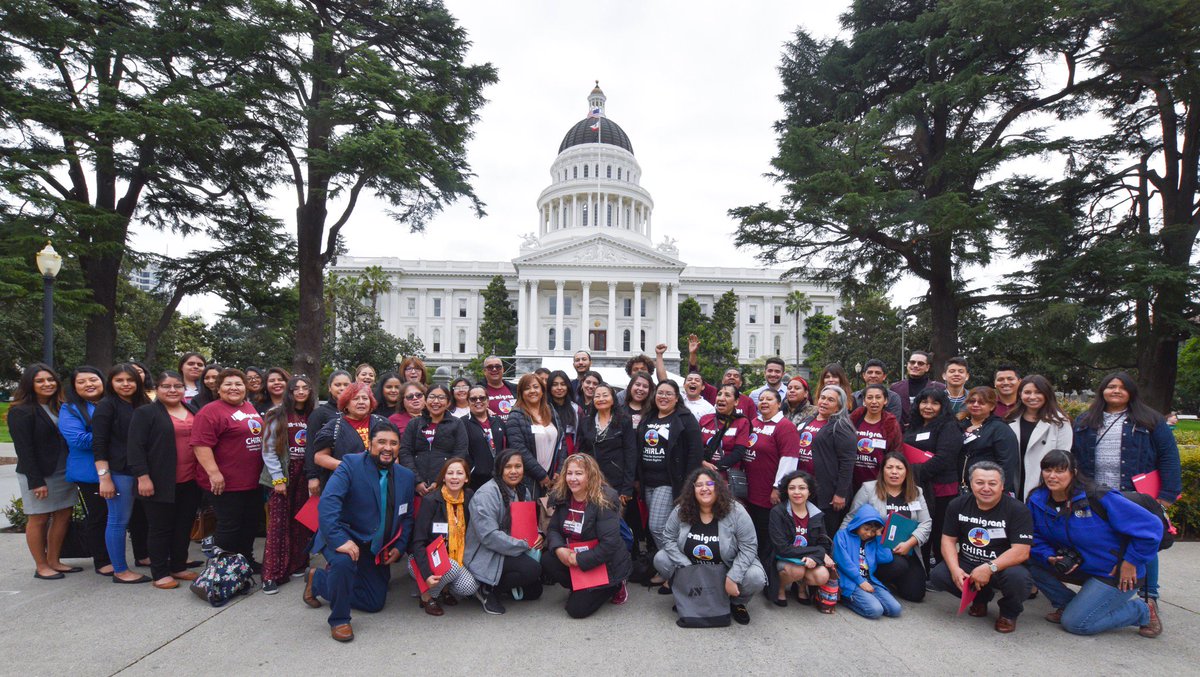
(703, 544)
(655, 472)
(985, 535)
(897, 504)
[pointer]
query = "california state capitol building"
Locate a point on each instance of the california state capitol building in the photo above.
(590, 277)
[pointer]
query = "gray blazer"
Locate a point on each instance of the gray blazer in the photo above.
(487, 543)
(866, 496)
(738, 542)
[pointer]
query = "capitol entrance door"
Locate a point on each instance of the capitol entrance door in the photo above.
(597, 340)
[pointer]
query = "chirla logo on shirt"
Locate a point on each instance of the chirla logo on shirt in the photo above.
(301, 438)
(652, 437)
(979, 537)
(255, 426)
(806, 439)
(865, 445)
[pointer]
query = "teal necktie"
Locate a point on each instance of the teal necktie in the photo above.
(377, 541)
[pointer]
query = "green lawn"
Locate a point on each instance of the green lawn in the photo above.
(1188, 425)
(4, 436)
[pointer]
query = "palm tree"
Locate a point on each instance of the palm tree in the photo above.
(798, 304)
(374, 282)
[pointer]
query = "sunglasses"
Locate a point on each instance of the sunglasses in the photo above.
(493, 367)
(477, 399)
(413, 396)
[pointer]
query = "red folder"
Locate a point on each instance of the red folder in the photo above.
(916, 456)
(524, 521)
(383, 549)
(592, 578)
(439, 562)
(308, 516)
(1150, 483)
(968, 595)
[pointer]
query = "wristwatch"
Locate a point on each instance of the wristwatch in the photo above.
(992, 567)
(102, 472)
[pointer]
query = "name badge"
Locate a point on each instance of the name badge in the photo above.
(970, 438)
(403, 509)
(768, 430)
(921, 437)
(573, 526)
(879, 444)
(441, 527)
(730, 433)
(998, 532)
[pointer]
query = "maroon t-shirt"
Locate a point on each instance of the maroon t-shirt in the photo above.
(400, 420)
(738, 433)
(767, 445)
(869, 452)
(801, 538)
(235, 436)
(500, 400)
(804, 448)
(430, 430)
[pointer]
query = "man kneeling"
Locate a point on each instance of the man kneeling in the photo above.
(365, 521)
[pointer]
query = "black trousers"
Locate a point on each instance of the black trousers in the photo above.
(580, 603)
(760, 517)
(170, 525)
(932, 550)
(139, 530)
(904, 576)
(522, 572)
(238, 515)
(95, 523)
(1014, 584)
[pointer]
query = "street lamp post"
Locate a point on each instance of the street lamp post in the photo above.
(48, 263)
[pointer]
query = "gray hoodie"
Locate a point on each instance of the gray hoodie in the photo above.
(487, 543)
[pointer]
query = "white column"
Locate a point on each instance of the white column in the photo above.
(532, 312)
(447, 325)
(611, 338)
(604, 211)
(422, 311)
(585, 330)
(660, 322)
(473, 322)
(673, 327)
(768, 324)
(635, 343)
(522, 312)
(558, 317)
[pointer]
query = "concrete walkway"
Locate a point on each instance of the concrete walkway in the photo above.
(85, 625)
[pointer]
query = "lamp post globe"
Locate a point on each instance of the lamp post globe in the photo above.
(49, 263)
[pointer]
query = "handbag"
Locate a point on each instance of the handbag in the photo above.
(75, 544)
(739, 486)
(204, 525)
(700, 597)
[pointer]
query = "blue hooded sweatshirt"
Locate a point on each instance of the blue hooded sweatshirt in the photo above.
(1101, 542)
(845, 551)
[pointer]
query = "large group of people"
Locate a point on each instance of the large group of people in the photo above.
(805, 492)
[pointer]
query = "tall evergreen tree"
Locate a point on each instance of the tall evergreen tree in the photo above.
(498, 330)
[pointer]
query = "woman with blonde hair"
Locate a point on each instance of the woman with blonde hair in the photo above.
(585, 533)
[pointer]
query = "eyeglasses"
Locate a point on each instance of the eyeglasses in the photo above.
(166, 386)
(413, 396)
(917, 363)
(435, 398)
(701, 485)
(477, 398)
(461, 387)
(493, 367)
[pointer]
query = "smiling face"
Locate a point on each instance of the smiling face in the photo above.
(706, 490)
(796, 392)
(956, 375)
(169, 391)
(493, 371)
(1116, 397)
(588, 387)
(414, 400)
(455, 478)
(665, 399)
(437, 402)
(874, 374)
(559, 389)
(979, 408)
(929, 408)
(90, 387)
(124, 385)
(1032, 398)
(232, 390)
(45, 385)
(531, 396)
(773, 374)
(582, 362)
(576, 478)
(365, 375)
(768, 404)
(513, 471)
(276, 385)
(254, 381)
(693, 385)
(413, 373)
(602, 399)
(639, 390)
(798, 492)
(391, 391)
(459, 391)
(987, 485)
(192, 368)
(385, 447)
(477, 401)
(918, 365)
(210, 379)
(1057, 480)
(1006, 383)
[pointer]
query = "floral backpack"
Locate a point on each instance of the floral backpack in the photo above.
(226, 575)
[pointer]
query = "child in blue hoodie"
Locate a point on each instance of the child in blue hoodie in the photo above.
(857, 552)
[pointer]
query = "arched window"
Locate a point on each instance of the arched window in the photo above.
(585, 211)
(437, 341)
(753, 347)
(625, 341)
(575, 172)
(462, 340)
(585, 171)
(608, 174)
(778, 346)
(411, 334)
(643, 340)
(566, 338)
(618, 173)
(551, 338)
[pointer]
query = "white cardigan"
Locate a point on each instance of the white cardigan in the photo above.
(1045, 438)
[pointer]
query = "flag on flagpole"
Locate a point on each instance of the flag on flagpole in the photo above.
(596, 126)
(595, 113)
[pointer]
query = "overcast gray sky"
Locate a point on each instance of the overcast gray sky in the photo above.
(694, 85)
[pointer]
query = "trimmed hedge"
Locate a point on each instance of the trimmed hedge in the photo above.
(1185, 513)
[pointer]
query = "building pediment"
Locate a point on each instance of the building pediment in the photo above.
(598, 250)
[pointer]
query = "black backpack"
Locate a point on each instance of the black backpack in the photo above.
(1146, 501)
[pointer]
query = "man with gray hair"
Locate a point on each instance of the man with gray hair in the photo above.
(986, 538)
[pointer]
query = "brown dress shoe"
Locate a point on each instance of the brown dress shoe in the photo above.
(977, 609)
(1006, 625)
(311, 600)
(1055, 616)
(185, 575)
(342, 633)
(166, 584)
(432, 607)
(1154, 627)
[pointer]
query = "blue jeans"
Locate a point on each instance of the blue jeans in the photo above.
(350, 585)
(120, 507)
(1151, 586)
(873, 604)
(1095, 608)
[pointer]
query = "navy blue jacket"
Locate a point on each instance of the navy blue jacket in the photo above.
(349, 507)
(1101, 542)
(1142, 451)
(340, 438)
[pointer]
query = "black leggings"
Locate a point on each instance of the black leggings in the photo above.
(904, 576)
(580, 603)
(932, 550)
(761, 518)
(238, 515)
(170, 529)
(522, 572)
(95, 523)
